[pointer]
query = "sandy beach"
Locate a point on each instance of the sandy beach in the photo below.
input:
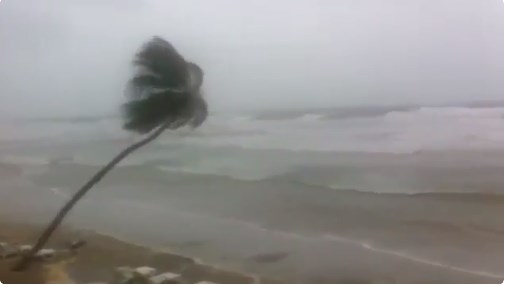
(97, 260)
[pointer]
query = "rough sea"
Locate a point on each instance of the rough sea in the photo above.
(411, 192)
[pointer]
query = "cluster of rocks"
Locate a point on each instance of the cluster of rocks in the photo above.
(8, 251)
(148, 275)
(122, 275)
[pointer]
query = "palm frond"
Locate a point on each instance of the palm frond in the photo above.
(200, 111)
(165, 88)
(159, 58)
(147, 81)
(145, 114)
(195, 74)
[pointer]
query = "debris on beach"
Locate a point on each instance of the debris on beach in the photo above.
(121, 275)
(145, 274)
(144, 271)
(45, 253)
(128, 275)
(166, 278)
(11, 251)
(25, 248)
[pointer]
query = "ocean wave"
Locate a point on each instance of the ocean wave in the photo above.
(218, 172)
(25, 160)
(375, 112)
(404, 191)
(338, 239)
(300, 117)
(357, 180)
(373, 129)
(253, 227)
(389, 131)
(310, 117)
(412, 257)
(446, 113)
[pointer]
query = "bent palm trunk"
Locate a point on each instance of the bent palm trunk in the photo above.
(164, 93)
(44, 237)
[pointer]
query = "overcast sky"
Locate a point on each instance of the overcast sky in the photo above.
(72, 57)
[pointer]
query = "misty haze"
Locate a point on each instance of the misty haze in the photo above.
(305, 141)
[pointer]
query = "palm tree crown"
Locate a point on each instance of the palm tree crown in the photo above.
(165, 89)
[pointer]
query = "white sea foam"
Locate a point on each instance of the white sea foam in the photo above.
(27, 160)
(334, 238)
(246, 147)
(395, 132)
(406, 131)
(413, 258)
(309, 118)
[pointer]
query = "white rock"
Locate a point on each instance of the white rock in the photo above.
(145, 271)
(167, 277)
(46, 253)
(25, 248)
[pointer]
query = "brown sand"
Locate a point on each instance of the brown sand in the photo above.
(96, 261)
(52, 272)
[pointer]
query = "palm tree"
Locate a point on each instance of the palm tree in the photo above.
(163, 94)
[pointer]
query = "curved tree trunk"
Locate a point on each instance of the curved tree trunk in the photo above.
(44, 237)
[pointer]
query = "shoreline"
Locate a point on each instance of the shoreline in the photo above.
(356, 238)
(97, 260)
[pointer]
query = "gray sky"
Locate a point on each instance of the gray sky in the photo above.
(73, 57)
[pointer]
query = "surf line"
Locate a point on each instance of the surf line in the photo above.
(414, 258)
(367, 246)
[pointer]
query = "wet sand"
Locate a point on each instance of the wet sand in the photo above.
(96, 261)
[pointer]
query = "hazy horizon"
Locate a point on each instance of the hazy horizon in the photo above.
(294, 110)
(72, 58)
